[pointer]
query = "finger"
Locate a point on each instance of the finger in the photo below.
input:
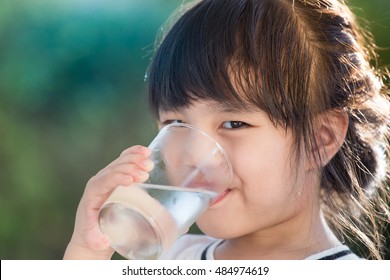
(142, 162)
(99, 188)
(103, 184)
(137, 149)
(138, 174)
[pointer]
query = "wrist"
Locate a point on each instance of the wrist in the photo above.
(76, 252)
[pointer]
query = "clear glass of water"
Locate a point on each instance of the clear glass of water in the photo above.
(191, 170)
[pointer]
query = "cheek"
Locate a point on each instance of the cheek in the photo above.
(262, 161)
(266, 172)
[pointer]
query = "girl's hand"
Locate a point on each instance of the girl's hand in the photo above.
(87, 241)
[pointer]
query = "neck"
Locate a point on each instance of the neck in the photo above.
(297, 238)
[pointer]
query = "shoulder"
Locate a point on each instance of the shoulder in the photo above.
(337, 253)
(188, 247)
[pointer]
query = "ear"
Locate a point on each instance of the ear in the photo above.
(329, 135)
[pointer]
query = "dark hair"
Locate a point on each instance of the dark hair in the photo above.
(293, 60)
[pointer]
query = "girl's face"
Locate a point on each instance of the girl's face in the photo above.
(270, 187)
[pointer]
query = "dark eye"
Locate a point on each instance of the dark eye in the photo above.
(234, 124)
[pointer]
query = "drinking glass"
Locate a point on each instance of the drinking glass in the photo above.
(191, 170)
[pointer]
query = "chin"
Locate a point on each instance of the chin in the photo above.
(221, 229)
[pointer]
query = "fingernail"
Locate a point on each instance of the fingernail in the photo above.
(148, 164)
(142, 175)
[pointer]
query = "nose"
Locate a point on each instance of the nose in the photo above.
(194, 159)
(200, 151)
(207, 164)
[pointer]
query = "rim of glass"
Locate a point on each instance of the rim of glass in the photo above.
(167, 127)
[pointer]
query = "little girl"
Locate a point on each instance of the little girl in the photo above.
(287, 89)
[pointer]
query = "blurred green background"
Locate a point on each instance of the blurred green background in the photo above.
(72, 97)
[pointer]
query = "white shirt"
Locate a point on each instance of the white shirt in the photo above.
(197, 247)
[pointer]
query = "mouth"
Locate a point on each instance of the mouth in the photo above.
(220, 197)
(201, 183)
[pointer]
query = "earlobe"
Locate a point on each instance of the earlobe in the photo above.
(329, 135)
